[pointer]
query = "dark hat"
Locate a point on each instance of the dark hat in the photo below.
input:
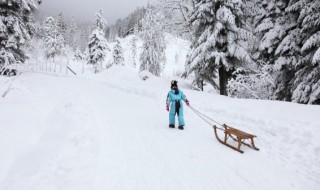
(174, 83)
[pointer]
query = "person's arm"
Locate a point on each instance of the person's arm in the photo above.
(168, 101)
(184, 98)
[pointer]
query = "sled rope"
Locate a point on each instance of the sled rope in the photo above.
(205, 118)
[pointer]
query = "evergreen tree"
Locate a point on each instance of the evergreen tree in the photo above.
(134, 50)
(72, 34)
(289, 36)
(54, 42)
(153, 54)
(38, 31)
(126, 26)
(306, 81)
(51, 42)
(278, 35)
(61, 26)
(98, 46)
(84, 29)
(118, 58)
(100, 21)
(270, 27)
(220, 41)
(16, 28)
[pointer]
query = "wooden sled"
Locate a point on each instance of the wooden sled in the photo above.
(236, 135)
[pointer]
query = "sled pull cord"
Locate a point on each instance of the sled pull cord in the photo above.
(206, 118)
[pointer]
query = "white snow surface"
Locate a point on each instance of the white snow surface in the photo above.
(110, 131)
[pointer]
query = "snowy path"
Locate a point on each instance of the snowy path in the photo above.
(104, 133)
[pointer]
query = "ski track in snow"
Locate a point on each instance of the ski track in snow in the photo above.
(110, 132)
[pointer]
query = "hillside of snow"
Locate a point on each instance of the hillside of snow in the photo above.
(110, 131)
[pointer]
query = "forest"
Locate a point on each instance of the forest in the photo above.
(253, 49)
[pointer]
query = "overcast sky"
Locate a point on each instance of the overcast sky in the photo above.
(86, 9)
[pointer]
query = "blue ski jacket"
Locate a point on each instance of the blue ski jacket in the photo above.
(175, 98)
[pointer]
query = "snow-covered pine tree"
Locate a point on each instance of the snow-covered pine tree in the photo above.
(35, 47)
(270, 28)
(72, 34)
(98, 45)
(54, 41)
(153, 55)
(288, 31)
(100, 21)
(16, 27)
(51, 40)
(306, 81)
(129, 25)
(84, 31)
(124, 27)
(39, 31)
(278, 35)
(219, 42)
(118, 58)
(134, 50)
(256, 80)
(61, 26)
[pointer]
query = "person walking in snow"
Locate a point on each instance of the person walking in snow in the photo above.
(175, 97)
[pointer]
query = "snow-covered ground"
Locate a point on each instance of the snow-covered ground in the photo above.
(110, 131)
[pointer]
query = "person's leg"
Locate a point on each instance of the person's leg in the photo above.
(181, 118)
(172, 116)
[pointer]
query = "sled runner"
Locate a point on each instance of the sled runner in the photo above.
(236, 135)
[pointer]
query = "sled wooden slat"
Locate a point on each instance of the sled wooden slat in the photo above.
(238, 136)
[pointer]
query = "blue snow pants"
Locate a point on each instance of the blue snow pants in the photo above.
(175, 99)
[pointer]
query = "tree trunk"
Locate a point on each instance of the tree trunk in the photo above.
(223, 80)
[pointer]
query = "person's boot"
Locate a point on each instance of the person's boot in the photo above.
(171, 126)
(181, 127)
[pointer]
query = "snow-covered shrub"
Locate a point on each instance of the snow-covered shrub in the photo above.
(256, 84)
(145, 75)
(78, 56)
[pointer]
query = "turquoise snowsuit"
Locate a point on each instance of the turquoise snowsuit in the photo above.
(176, 106)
